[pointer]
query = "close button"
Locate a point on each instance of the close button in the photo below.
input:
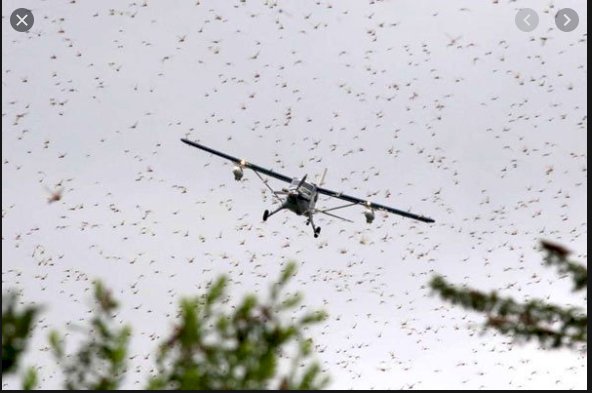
(21, 20)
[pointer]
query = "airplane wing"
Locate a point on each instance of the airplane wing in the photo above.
(375, 206)
(243, 163)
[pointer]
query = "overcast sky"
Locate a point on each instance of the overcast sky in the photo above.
(442, 108)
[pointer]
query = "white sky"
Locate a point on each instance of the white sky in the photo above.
(487, 135)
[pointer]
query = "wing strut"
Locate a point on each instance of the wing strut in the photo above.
(273, 192)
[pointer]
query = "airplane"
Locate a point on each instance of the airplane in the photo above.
(301, 196)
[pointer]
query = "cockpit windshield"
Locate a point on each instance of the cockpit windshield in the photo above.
(306, 188)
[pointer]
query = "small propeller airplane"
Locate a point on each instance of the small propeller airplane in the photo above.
(301, 196)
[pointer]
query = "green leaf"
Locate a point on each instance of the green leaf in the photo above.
(30, 379)
(216, 291)
(56, 344)
(291, 302)
(287, 274)
(313, 318)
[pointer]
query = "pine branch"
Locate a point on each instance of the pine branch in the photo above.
(557, 255)
(552, 325)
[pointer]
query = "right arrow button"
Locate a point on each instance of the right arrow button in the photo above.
(567, 20)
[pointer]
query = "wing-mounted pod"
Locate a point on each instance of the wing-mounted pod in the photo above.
(369, 213)
(237, 170)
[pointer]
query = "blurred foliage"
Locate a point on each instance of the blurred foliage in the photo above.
(553, 326)
(30, 379)
(99, 363)
(214, 345)
(17, 323)
(558, 256)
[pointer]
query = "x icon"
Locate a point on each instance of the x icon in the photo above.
(21, 20)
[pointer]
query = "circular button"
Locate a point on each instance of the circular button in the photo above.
(527, 19)
(22, 20)
(567, 20)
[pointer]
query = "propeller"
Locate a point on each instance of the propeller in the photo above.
(322, 178)
(302, 181)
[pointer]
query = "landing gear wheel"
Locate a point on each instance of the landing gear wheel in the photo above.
(265, 215)
(317, 231)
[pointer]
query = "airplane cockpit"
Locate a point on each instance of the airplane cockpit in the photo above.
(307, 189)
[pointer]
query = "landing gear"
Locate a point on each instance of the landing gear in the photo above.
(317, 231)
(267, 213)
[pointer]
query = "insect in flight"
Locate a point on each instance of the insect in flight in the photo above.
(301, 196)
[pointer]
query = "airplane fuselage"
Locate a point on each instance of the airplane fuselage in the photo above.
(301, 198)
(298, 204)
